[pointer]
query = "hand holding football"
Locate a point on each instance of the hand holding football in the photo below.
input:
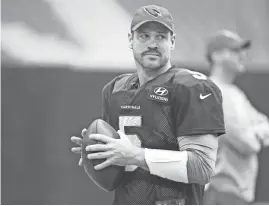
(106, 178)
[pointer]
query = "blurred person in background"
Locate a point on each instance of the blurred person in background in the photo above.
(171, 115)
(247, 130)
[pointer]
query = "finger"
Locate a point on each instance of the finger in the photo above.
(122, 135)
(76, 149)
(97, 147)
(80, 162)
(100, 155)
(76, 140)
(120, 132)
(83, 132)
(104, 164)
(102, 138)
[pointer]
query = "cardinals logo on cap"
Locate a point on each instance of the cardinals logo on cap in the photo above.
(153, 12)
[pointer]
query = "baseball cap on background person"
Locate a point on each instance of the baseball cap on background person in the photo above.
(226, 39)
(152, 13)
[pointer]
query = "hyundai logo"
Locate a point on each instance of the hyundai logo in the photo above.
(160, 91)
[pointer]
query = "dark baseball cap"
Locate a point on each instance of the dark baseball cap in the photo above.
(226, 39)
(152, 13)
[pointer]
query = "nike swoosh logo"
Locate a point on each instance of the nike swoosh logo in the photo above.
(204, 96)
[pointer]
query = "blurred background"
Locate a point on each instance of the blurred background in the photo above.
(56, 57)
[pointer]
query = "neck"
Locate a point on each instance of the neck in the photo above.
(145, 74)
(222, 74)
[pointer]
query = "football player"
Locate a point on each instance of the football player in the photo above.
(168, 119)
(247, 130)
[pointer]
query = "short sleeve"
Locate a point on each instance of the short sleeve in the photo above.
(105, 103)
(198, 109)
(110, 87)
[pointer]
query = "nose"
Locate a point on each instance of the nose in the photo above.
(243, 56)
(153, 44)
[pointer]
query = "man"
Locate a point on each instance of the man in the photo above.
(169, 120)
(247, 130)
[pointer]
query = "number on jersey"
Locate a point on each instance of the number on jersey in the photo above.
(197, 75)
(131, 121)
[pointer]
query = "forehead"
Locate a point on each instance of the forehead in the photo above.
(153, 26)
(232, 51)
(238, 51)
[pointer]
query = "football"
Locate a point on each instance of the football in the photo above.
(108, 177)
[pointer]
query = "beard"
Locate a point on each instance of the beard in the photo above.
(151, 63)
(235, 67)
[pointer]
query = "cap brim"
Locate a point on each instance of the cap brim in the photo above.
(146, 21)
(246, 44)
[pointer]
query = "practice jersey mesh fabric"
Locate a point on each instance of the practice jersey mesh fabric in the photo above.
(149, 115)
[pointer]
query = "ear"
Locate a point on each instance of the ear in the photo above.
(130, 37)
(173, 41)
(217, 56)
(214, 56)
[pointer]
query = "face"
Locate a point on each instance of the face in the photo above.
(152, 44)
(233, 60)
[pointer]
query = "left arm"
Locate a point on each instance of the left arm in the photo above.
(194, 163)
(198, 123)
(259, 121)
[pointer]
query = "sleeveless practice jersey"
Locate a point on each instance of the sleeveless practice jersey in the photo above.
(176, 103)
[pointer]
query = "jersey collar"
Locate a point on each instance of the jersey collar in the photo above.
(133, 82)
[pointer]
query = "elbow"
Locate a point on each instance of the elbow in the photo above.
(200, 168)
(245, 142)
(252, 144)
(207, 175)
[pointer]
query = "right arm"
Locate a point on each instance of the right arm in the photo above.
(242, 131)
(105, 103)
(78, 140)
(260, 123)
(241, 138)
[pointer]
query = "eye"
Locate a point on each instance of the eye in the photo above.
(161, 37)
(144, 36)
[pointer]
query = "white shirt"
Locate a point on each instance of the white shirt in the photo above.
(237, 162)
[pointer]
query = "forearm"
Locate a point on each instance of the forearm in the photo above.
(200, 167)
(180, 166)
(262, 133)
(139, 159)
(243, 140)
(242, 132)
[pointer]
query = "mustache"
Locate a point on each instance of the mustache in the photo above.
(151, 52)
